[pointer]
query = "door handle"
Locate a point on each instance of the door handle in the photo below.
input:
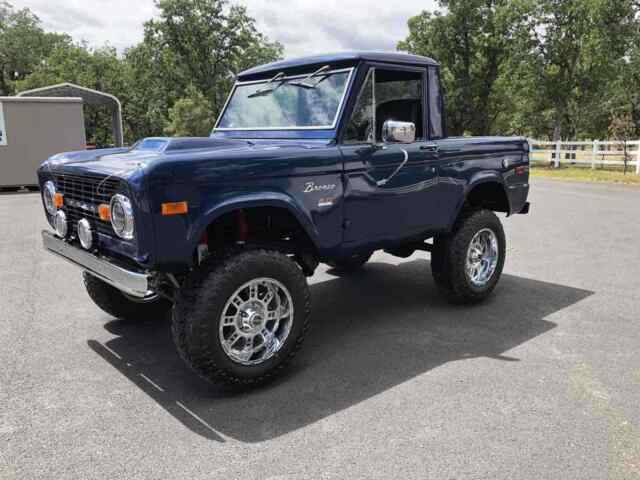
(430, 147)
(383, 182)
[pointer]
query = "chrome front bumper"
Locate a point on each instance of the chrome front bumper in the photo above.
(132, 283)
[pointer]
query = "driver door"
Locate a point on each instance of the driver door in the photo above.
(390, 188)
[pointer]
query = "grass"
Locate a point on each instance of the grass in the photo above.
(582, 174)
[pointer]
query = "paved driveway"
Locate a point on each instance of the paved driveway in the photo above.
(542, 381)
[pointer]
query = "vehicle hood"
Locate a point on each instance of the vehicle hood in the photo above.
(124, 162)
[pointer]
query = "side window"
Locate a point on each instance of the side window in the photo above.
(435, 105)
(360, 126)
(397, 94)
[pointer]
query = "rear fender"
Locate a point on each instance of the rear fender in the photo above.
(484, 177)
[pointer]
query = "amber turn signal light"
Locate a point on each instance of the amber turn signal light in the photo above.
(175, 208)
(58, 200)
(104, 211)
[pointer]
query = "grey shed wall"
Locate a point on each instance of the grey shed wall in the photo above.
(34, 129)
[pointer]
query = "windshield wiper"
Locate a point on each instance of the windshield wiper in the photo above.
(305, 82)
(266, 89)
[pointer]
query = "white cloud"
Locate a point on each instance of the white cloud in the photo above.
(313, 26)
(302, 26)
(117, 22)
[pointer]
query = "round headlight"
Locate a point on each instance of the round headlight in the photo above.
(60, 224)
(85, 234)
(48, 194)
(122, 216)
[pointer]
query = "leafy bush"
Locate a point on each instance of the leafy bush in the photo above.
(191, 116)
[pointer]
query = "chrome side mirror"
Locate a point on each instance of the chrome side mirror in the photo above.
(398, 132)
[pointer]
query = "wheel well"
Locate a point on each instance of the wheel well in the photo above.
(267, 227)
(490, 195)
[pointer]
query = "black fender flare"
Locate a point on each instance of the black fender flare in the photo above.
(252, 200)
(481, 179)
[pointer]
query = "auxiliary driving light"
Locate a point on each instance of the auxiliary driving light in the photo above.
(85, 234)
(60, 224)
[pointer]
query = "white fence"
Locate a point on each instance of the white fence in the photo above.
(596, 153)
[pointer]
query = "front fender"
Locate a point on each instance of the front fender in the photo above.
(262, 199)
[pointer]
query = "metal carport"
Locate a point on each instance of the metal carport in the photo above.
(90, 97)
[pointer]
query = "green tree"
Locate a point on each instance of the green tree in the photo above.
(472, 39)
(150, 90)
(193, 42)
(205, 43)
(23, 45)
(191, 116)
(542, 68)
(32, 58)
(571, 51)
(623, 129)
(623, 94)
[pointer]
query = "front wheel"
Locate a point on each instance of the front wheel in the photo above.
(241, 318)
(467, 264)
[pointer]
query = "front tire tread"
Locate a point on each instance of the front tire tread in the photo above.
(202, 292)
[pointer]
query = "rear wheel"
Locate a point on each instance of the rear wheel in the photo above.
(467, 264)
(123, 306)
(241, 318)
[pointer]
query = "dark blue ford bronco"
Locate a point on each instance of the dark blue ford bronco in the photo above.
(321, 159)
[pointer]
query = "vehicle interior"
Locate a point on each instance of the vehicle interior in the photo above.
(399, 95)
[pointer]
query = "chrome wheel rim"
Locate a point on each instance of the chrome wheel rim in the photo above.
(256, 321)
(482, 257)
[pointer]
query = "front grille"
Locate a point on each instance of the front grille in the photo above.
(82, 196)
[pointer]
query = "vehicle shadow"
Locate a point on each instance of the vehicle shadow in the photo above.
(371, 332)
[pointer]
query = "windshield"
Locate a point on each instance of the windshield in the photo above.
(286, 102)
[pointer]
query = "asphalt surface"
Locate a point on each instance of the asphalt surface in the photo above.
(540, 382)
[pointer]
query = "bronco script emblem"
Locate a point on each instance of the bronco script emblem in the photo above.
(311, 187)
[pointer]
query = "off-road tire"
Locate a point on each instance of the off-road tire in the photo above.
(351, 264)
(450, 253)
(118, 305)
(202, 297)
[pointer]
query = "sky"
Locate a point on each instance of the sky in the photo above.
(304, 26)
